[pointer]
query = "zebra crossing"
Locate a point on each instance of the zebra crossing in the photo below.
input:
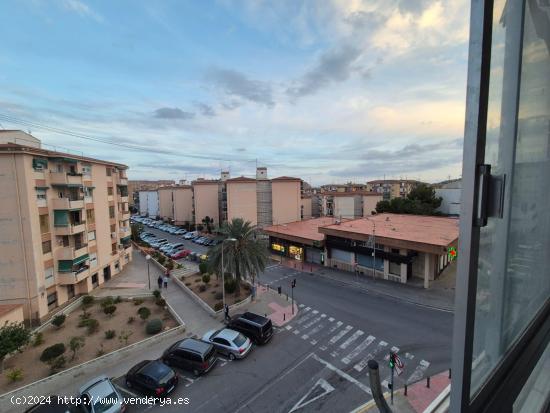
(339, 343)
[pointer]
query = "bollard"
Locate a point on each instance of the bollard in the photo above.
(284, 316)
(376, 388)
(428, 382)
(405, 393)
(449, 373)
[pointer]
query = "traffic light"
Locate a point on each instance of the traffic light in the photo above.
(392, 361)
(279, 290)
(293, 283)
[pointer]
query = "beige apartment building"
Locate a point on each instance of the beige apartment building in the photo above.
(242, 200)
(64, 222)
(206, 202)
(306, 207)
(176, 204)
(347, 205)
(392, 188)
(134, 186)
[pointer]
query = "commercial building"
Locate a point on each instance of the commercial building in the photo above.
(392, 188)
(64, 221)
(390, 246)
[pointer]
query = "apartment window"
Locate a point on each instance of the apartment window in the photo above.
(44, 223)
(109, 171)
(40, 194)
(39, 164)
(88, 192)
(52, 300)
(93, 259)
(111, 212)
(70, 291)
(95, 280)
(46, 247)
(117, 266)
(87, 170)
(90, 216)
(49, 277)
(110, 190)
(502, 320)
(91, 235)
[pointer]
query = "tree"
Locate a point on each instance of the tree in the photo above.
(243, 258)
(109, 310)
(136, 230)
(58, 320)
(207, 221)
(13, 336)
(76, 344)
(144, 313)
(420, 201)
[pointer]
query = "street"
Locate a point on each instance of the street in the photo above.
(317, 362)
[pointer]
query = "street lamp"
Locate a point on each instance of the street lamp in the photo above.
(373, 247)
(223, 268)
(148, 258)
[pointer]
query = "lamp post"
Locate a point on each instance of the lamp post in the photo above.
(373, 247)
(223, 268)
(148, 258)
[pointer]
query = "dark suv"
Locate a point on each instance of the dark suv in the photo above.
(257, 328)
(191, 354)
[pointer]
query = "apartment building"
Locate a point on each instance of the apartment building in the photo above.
(176, 204)
(306, 207)
(348, 205)
(134, 186)
(148, 203)
(392, 188)
(64, 222)
(207, 194)
(348, 187)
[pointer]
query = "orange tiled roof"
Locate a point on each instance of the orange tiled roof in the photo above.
(308, 229)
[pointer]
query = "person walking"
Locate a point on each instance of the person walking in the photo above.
(159, 282)
(226, 313)
(165, 281)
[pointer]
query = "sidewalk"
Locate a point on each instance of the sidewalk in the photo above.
(440, 295)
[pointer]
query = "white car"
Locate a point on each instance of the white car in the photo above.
(229, 342)
(100, 396)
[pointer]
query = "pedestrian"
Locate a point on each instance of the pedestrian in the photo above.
(165, 281)
(226, 312)
(159, 282)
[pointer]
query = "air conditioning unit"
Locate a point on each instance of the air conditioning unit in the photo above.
(113, 235)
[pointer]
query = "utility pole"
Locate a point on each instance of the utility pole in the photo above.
(292, 285)
(392, 367)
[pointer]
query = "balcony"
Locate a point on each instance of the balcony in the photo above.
(124, 215)
(73, 277)
(110, 198)
(123, 181)
(71, 253)
(123, 199)
(66, 203)
(70, 229)
(88, 199)
(65, 179)
(124, 232)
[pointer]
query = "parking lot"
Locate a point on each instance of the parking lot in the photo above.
(190, 245)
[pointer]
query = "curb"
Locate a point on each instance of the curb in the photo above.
(361, 287)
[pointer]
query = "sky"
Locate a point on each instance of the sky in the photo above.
(328, 90)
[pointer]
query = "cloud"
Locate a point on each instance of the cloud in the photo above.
(205, 110)
(82, 9)
(172, 113)
(334, 65)
(236, 84)
(240, 149)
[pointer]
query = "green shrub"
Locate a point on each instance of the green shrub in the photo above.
(38, 339)
(109, 310)
(118, 299)
(124, 336)
(131, 320)
(203, 267)
(57, 364)
(52, 352)
(169, 264)
(188, 284)
(206, 278)
(107, 301)
(156, 294)
(153, 326)
(202, 288)
(161, 259)
(87, 300)
(230, 285)
(14, 375)
(85, 315)
(218, 306)
(218, 296)
(144, 313)
(161, 302)
(76, 344)
(92, 326)
(138, 301)
(110, 334)
(58, 320)
(85, 322)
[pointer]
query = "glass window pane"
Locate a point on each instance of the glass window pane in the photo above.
(513, 279)
(536, 391)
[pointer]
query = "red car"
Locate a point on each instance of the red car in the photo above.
(180, 254)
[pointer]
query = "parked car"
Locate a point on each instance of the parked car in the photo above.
(101, 396)
(180, 254)
(173, 248)
(165, 247)
(152, 377)
(229, 342)
(53, 404)
(157, 243)
(180, 231)
(256, 327)
(191, 354)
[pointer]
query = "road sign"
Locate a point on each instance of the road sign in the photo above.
(398, 362)
(398, 370)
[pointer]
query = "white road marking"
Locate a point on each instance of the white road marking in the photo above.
(344, 375)
(359, 349)
(304, 401)
(340, 334)
(296, 332)
(331, 319)
(308, 325)
(313, 342)
(409, 356)
(419, 371)
(363, 363)
(288, 327)
(351, 339)
(301, 305)
(307, 308)
(323, 315)
(315, 312)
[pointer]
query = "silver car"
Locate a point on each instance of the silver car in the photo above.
(100, 396)
(229, 342)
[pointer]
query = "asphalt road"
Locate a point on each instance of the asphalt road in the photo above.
(318, 361)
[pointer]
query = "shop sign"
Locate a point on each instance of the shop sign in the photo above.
(296, 252)
(278, 247)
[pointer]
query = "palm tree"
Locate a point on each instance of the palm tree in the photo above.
(245, 257)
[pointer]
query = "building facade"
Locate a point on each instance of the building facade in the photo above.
(149, 203)
(206, 193)
(64, 223)
(134, 186)
(392, 188)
